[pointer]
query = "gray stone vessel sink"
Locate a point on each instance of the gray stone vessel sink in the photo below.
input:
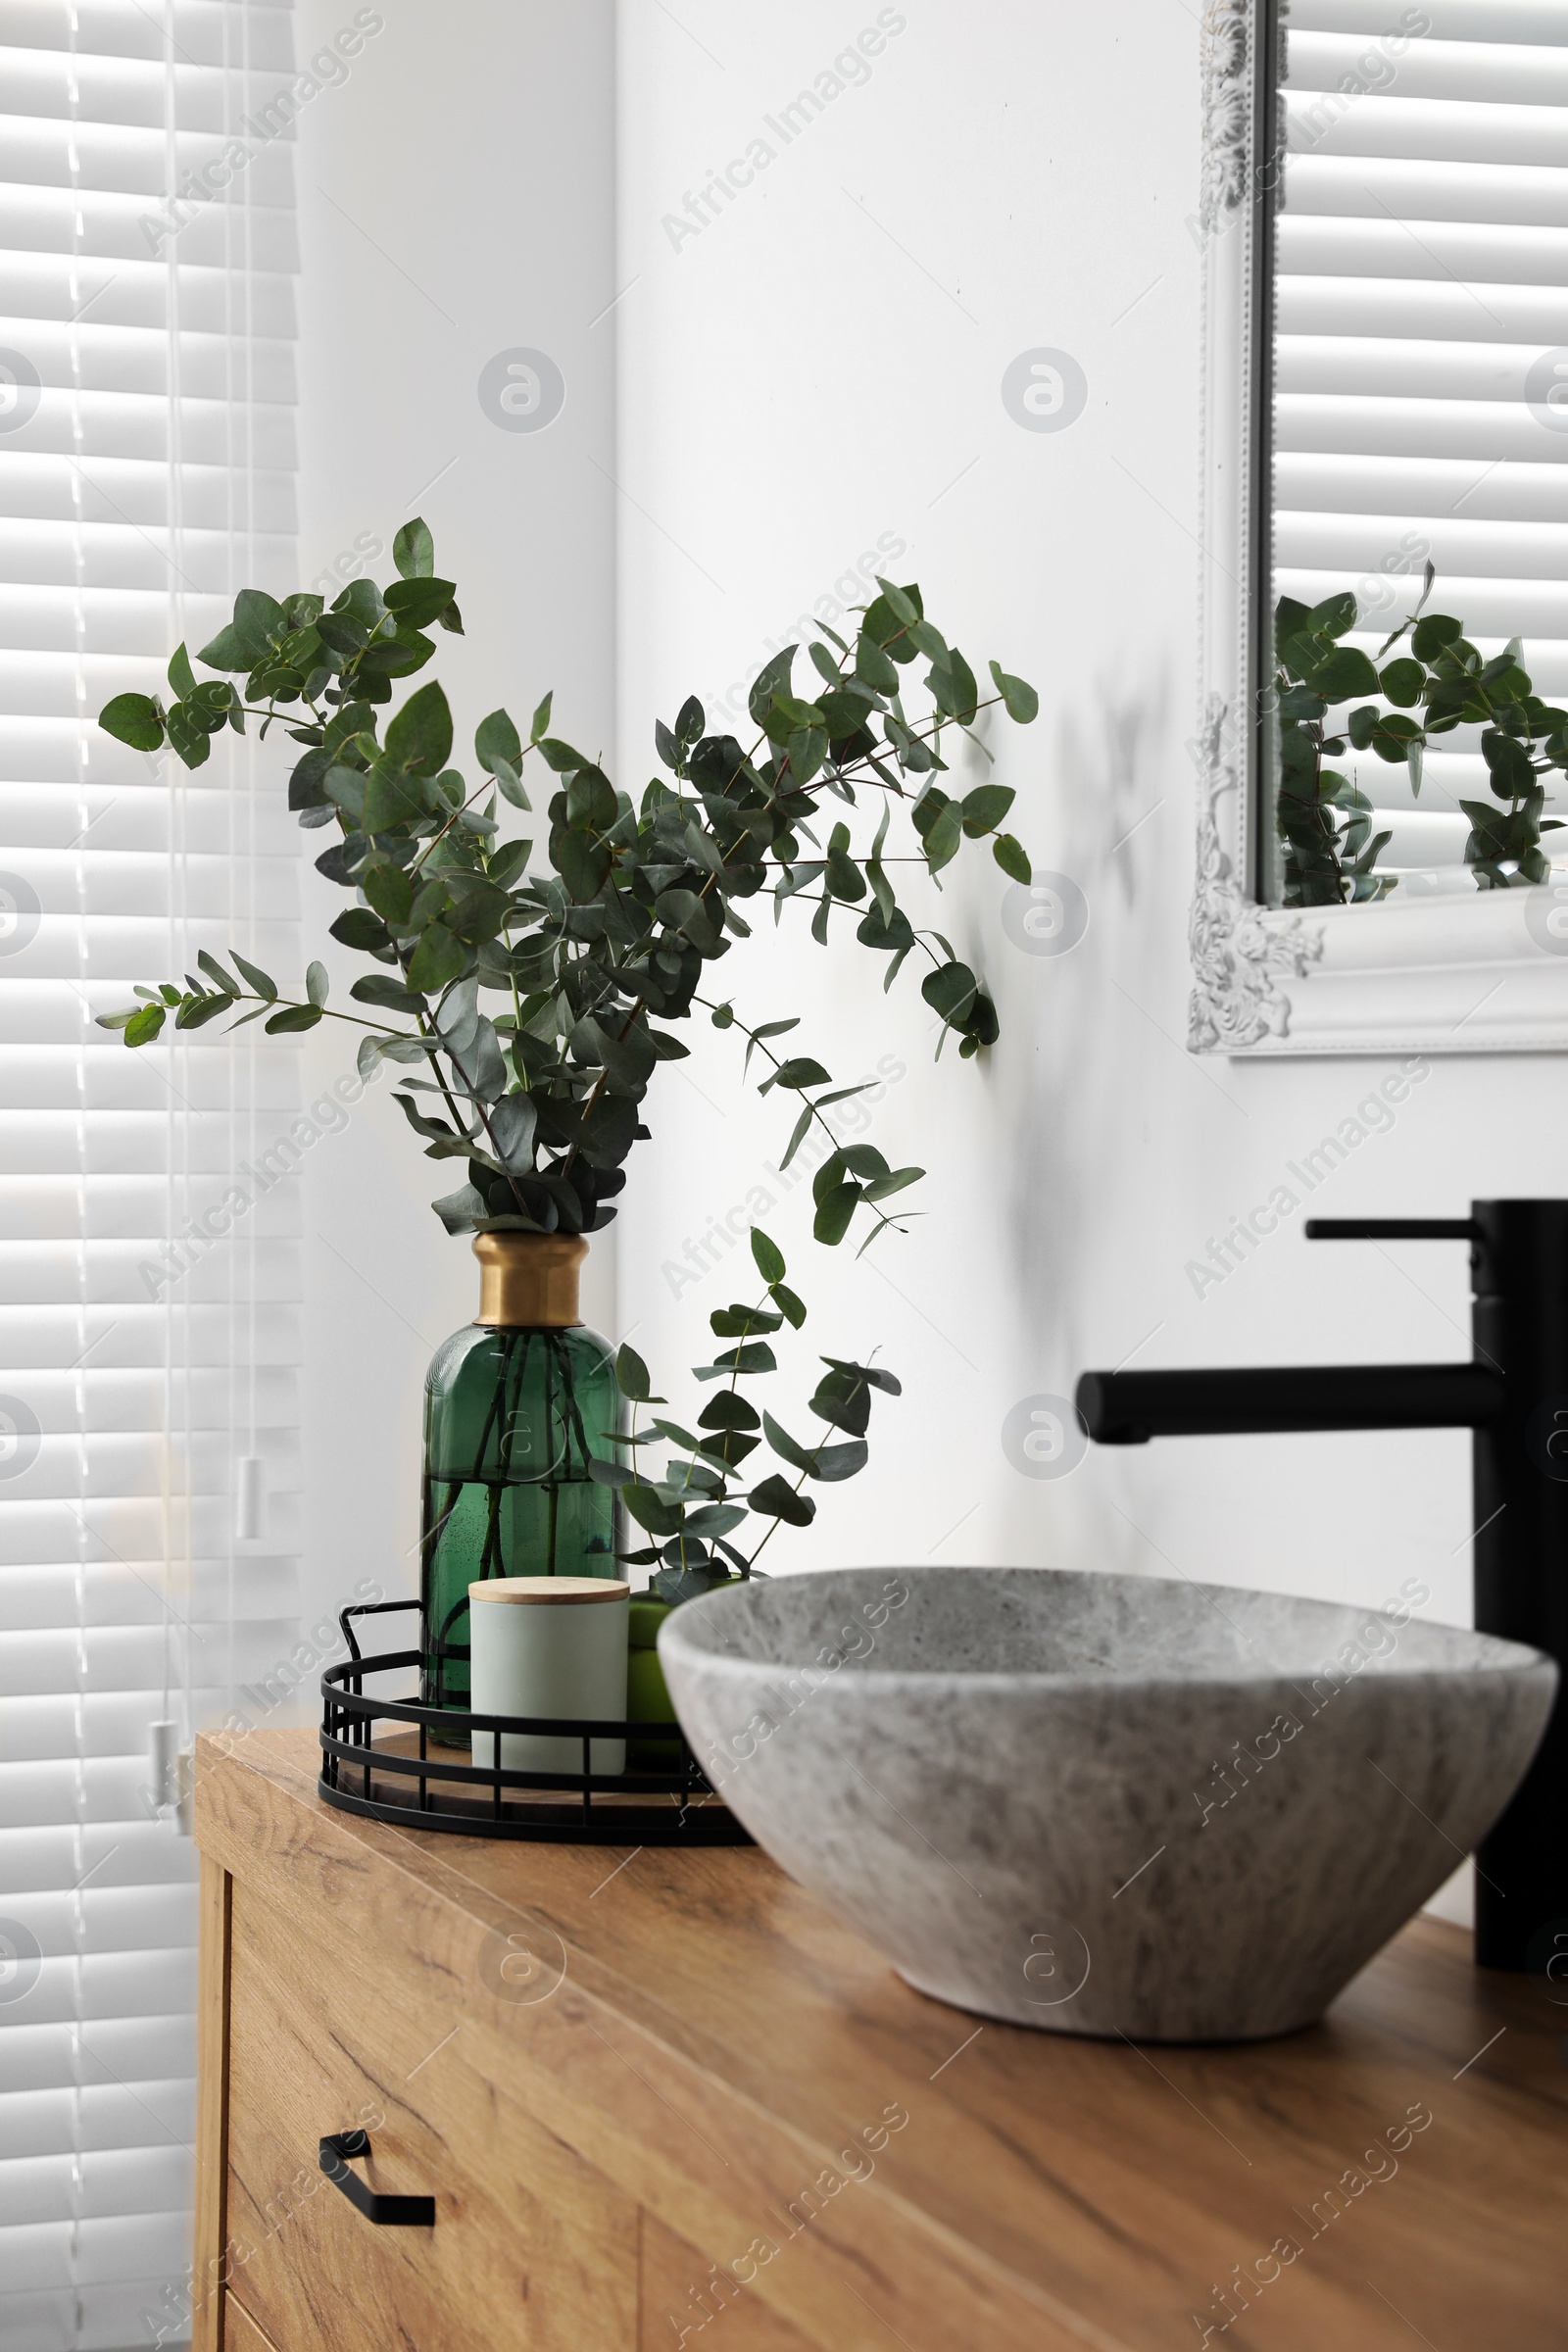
(1105, 1804)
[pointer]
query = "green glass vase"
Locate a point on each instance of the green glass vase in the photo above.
(516, 1404)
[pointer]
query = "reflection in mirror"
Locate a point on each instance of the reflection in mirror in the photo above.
(1414, 415)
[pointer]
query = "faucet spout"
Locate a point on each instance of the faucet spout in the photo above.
(1127, 1408)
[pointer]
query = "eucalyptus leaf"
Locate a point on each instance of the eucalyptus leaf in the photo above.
(775, 1499)
(752, 1357)
(143, 1026)
(767, 1256)
(950, 990)
(388, 890)
(610, 1474)
(414, 551)
(438, 958)
(496, 738)
(711, 1519)
(784, 1446)
(729, 1409)
(648, 1509)
(215, 971)
(252, 975)
(738, 1322)
(133, 718)
(512, 1122)
(1013, 858)
(1021, 701)
(943, 839)
(832, 1463)
(419, 737)
(416, 603)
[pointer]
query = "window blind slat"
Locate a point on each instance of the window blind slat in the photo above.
(114, 1722)
(155, 1980)
(100, 2115)
(1360, 425)
(110, 1593)
(119, 1853)
(1404, 369)
(203, 28)
(1366, 243)
(1483, 23)
(1308, 480)
(1456, 133)
(100, 2248)
(1449, 313)
(115, 2181)
(58, 552)
(1497, 71)
(1494, 611)
(1409, 190)
(1507, 551)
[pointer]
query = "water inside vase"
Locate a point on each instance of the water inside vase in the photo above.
(512, 1419)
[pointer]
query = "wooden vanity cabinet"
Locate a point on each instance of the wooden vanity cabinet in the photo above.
(661, 2099)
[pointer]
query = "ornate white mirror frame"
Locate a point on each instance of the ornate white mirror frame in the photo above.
(1431, 975)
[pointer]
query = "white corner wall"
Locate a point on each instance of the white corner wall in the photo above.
(800, 384)
(457, 195)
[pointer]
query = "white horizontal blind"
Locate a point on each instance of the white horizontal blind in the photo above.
(1422, 305)
(146, 459)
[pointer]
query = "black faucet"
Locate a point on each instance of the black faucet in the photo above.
(1513, 1394)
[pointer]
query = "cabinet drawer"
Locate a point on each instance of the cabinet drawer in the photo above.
(240, 2332)
(530, 2247)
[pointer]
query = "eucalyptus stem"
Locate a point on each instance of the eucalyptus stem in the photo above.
(799, 1484)
(820, 1120)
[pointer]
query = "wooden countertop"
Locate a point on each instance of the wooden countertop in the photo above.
(715, 2040)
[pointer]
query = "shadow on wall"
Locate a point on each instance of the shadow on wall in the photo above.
(1103, 930)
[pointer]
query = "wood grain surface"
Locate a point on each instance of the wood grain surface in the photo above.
(824, 2158)
(240, 2332)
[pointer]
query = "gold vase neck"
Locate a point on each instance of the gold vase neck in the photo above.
(529, 1278)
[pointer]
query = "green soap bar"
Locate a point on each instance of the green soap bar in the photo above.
(644, 1620)
(646, 1700)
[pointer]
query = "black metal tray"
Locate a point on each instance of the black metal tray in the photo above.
(390, 1760)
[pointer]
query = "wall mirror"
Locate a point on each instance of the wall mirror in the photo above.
(1383, 747)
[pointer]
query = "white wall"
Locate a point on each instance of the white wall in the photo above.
(457, 200)
(811, 383)
(820, 365)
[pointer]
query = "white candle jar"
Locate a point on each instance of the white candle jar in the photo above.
(553, 1646)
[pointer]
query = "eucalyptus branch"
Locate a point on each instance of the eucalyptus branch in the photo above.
(477, 794)
(1324, 819)
(816, 1454)
(756, 1039)
(607, 932)
(671, 1508)
(304, 1004)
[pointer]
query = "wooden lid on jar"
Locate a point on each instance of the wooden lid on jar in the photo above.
(549, 1588)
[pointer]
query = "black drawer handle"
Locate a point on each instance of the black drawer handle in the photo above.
(388, 2212)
